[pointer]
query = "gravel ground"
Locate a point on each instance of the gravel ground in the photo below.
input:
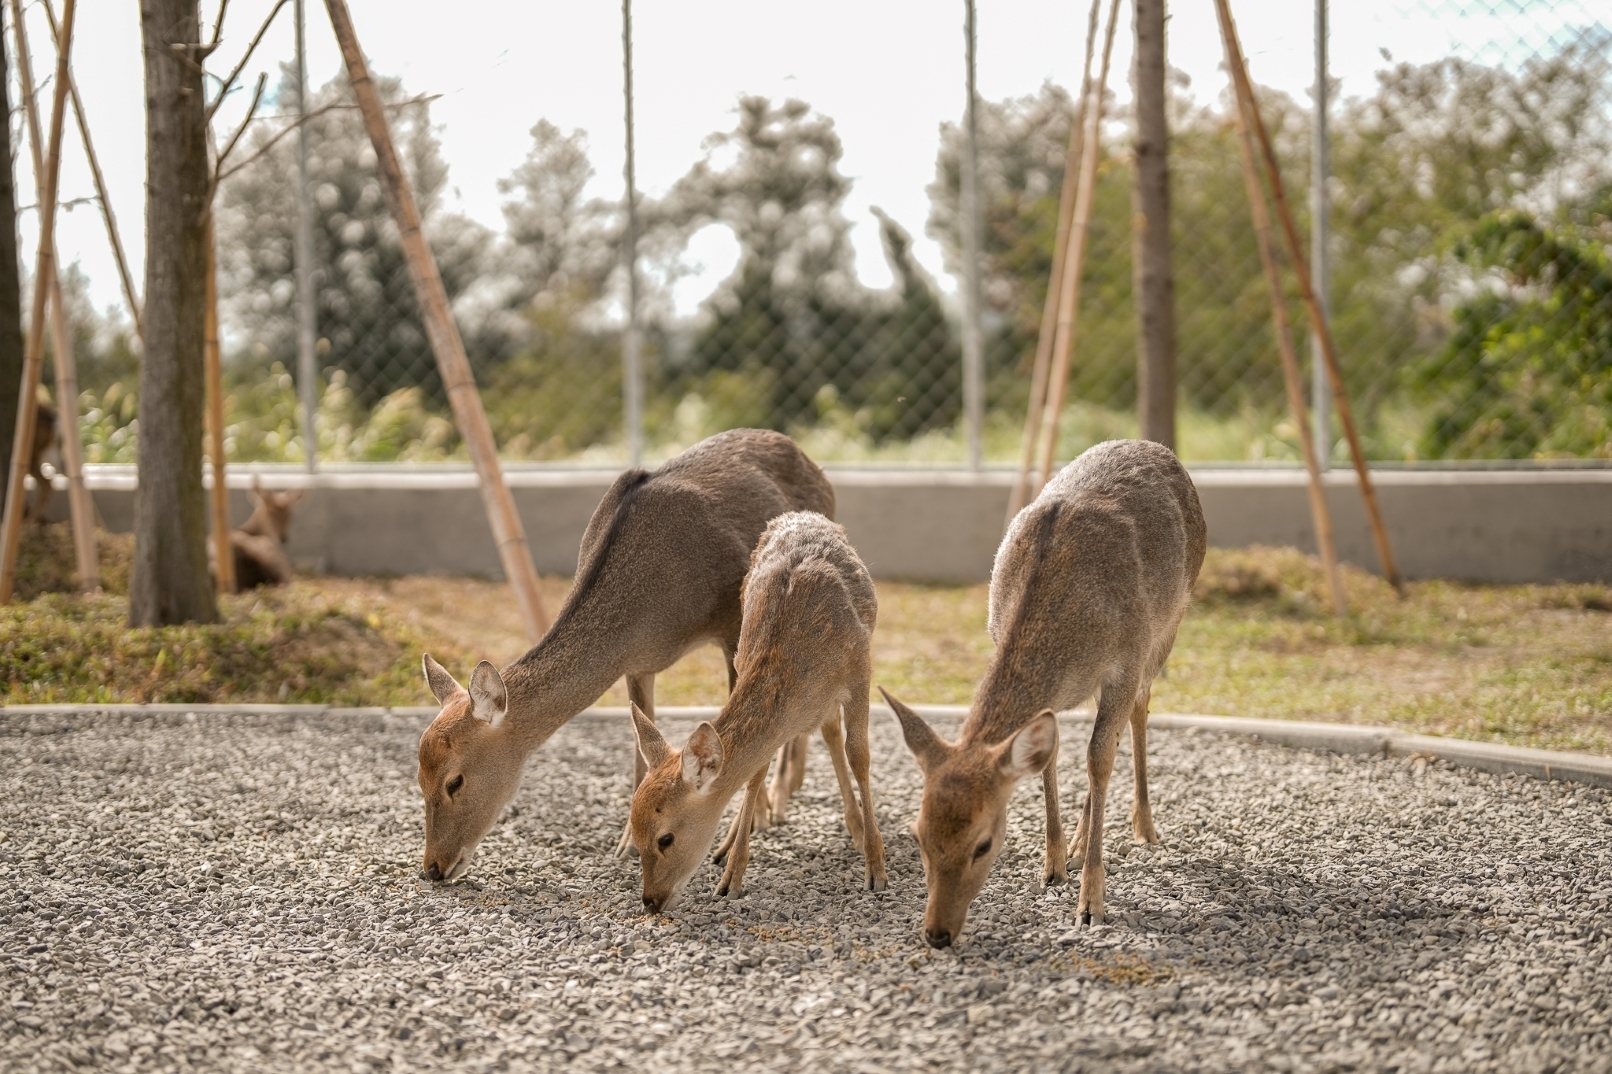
(241, 893)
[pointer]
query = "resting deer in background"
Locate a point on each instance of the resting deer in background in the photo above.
(659, 573)
(45, 432)
(1088, 588)
(803, 661)
(258, 545)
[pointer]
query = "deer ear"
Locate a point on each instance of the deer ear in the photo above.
(651, 743)
(702, 757)
(1030, 750)
(488, 698)
(926, 746)
(443, 686)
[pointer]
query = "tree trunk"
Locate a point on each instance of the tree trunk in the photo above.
(10, 284)
(168, 582)
(1152, 279)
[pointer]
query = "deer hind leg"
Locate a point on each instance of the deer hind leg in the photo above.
(641, 691)
(1057, 863)
(791, 773)
(834, 738)
(732, 883)
(1111, 713)
(861, 758)
(1141, 809)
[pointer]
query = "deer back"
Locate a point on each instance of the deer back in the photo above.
(1099, 568)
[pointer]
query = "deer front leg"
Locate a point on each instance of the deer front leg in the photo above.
(732, 882)
(787, 780)
(861, 758)
(834, 739)
(1141, 809)
(641, 691)
(1100, 765)
(1057, 864)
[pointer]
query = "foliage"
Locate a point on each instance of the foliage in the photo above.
(1527, 371)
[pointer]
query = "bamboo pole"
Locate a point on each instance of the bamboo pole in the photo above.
(444, 334)
(1319, 512)
(223, 554)
(1049, 309)
(81, 509)
(1079, 231)
(34, 356)
(1318, 321)
(100, 190)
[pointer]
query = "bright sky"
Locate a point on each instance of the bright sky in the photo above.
(889, 73)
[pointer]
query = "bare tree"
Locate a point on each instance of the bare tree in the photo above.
(1154, 282)
(10, 288)
(168, 582)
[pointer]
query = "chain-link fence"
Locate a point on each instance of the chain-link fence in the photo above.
(1470, 194)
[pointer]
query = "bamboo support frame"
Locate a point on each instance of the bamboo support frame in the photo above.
(468, 414)
(1318, 321)
(100, 191)
(34, 355)
(1319, 512)
(81, 509)
(1049, 309)
(223, 554)
(1075, 262)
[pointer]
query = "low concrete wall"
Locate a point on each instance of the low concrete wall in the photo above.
(942, 525)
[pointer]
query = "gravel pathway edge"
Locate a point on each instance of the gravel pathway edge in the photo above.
(1549, 765)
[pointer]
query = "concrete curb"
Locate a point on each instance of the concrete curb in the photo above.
(1296, 734)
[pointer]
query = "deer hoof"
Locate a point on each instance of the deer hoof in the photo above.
(878, 883)
(1054, 879)
(1092, 918)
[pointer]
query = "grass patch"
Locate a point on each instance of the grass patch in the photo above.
(1528, 665)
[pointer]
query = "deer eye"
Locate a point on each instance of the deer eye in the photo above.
(454, 784)
(982, 850)
(665, 841)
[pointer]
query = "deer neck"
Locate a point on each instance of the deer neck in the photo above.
(558, 678)
(752, 727)
(1023, 678)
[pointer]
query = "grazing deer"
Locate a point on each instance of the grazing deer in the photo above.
(803, 661)
(659, 573)
(46, 425)
(1088, 588)
(258, 546)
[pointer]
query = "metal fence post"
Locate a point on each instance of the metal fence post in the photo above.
(632, 366)
(307, 315)
(1320, 231)
(969, 205)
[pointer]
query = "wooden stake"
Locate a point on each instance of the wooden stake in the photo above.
(100, 191)
(1319, 512)
(444, 334)
(1318, 322)
(34, 356)
(1049, 310)
(81, 508)
(223, 555)
(1074, 266)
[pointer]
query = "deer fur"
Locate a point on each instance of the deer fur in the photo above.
(804, 663)
(46, 430)
(258, 544)
(660, 571)
(1088, 588)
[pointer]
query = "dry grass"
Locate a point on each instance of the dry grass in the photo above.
(1523, 664)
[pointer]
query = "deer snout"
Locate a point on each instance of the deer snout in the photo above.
(938, 937)
(431, 872)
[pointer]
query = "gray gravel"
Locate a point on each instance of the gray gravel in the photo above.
(241, 893)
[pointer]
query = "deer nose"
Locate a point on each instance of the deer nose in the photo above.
(938, 937)
(431, 872)
(651, 904)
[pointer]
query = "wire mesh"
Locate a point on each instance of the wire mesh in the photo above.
(1470, 196)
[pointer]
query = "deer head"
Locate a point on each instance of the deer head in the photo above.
(272, 515)
(962, 819)
(470, 767)
(676, 809)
